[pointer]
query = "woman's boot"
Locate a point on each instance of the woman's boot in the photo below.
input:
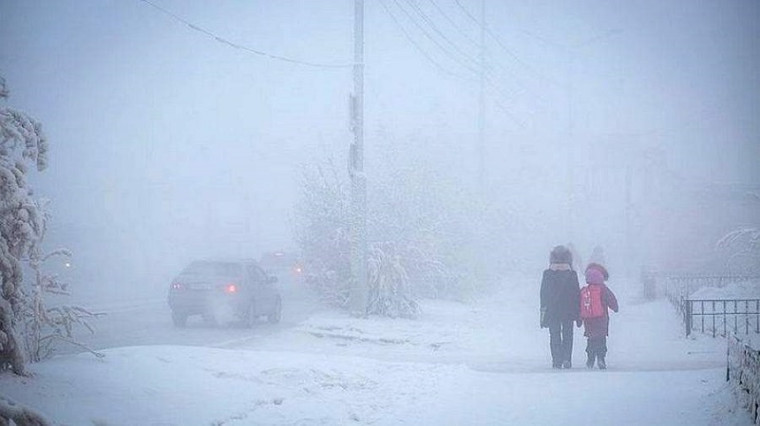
(602, 364)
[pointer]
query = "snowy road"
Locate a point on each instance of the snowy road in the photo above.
(148, 322)
(481, 362)
(487, 336)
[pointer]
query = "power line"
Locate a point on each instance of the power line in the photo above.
(434, 27)
(505, 96)
(490, 79)
(499, 42)
(454, 24)
(510, 114)
(467, 37)
(416, 45)
(239, 46)
(435, 41)
(498, 91)
(469, 58)
(491, 69)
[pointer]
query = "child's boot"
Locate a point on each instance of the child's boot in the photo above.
(590, 361)
(602, 364)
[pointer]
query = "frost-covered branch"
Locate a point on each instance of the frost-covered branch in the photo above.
(740, 250)
(390, 289)
(74, 343)
(44, 325)
(11, 411)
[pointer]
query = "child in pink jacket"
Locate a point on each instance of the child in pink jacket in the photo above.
(597, 329)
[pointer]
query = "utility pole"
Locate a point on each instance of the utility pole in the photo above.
(359, 286)
(630, 255)
(482, 100)
(571, 148)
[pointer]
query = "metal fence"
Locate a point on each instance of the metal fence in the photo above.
(721, 316)
(713, 316)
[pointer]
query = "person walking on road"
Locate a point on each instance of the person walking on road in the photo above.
(596, 301)
(560, 305)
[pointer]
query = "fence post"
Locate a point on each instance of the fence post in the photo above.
(687, 316)
(728, 357)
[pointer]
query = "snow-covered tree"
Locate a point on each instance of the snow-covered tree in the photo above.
(414, 215)
(453, 236)
(22, 143)
(27, 326)
(428, 236)
(322, 229)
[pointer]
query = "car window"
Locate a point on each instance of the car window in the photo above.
(277, 261)
(226, 269)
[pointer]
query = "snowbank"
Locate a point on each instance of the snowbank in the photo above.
(191, 385)
(481, 363)
(736, 290)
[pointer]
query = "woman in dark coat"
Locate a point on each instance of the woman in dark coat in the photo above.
(560, 305)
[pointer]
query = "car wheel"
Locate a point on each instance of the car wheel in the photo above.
(276, 315)
(179, 319)
(250, 315)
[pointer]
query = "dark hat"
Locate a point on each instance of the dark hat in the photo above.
(560, 254)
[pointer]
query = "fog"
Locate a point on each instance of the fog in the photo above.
(604, 122)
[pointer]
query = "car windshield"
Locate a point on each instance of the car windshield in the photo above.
(227, 269)
(277, 260)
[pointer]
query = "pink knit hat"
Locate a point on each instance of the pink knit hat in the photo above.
(594, 276)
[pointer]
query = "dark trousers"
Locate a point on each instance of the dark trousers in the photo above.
(596, 347)
(561, 341)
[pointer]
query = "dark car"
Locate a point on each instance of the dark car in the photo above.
(224, 291)
(282, 264)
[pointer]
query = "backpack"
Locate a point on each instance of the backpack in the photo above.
(591, 302)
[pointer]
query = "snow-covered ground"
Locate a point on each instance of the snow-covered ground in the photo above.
(482, 362)
(734, 290)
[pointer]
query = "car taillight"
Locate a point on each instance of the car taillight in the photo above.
(176, 286)
(230, 288)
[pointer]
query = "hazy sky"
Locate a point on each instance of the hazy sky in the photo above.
(181, 145)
